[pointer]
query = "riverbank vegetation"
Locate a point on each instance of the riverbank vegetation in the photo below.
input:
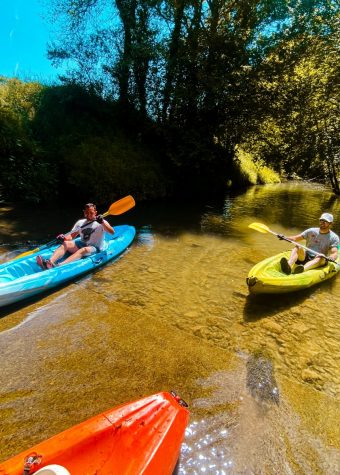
(162, 98)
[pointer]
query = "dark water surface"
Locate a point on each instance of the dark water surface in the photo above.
(261, 375)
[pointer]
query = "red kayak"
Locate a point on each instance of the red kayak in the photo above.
(140, 437)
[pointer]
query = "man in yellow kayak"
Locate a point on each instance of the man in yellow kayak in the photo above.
(91, 231)
(322, 240)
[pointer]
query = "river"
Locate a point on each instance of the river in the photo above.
(261, 374)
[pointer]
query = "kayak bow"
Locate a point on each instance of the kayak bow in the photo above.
(140, 437)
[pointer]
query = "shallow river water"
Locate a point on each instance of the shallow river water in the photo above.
(261, 374)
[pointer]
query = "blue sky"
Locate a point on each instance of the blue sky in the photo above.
(23, 40)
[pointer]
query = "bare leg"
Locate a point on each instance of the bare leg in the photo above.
(67, 246)
(316, 262)
(77, 255)
(297, 254)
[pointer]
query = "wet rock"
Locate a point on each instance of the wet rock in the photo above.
(311, 356)
(158, 289)
(261, 380)
(299, 327)
(152, 270)
(273, 327)
(271, 346)
(198, 331)
(191, 314)
(309, 375)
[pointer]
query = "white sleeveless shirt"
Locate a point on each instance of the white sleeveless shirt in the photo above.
(92, 234)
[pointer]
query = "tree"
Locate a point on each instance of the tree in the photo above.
(214, 74)
(26, 173)
(108, 45)
(301, 79)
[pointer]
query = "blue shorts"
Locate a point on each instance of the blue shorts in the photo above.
(80, 244)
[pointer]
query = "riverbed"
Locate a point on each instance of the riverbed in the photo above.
(261, 374)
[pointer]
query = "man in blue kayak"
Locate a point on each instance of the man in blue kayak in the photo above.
(91, 231)
(322, 240)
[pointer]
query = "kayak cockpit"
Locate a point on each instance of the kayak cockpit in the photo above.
(17, 269)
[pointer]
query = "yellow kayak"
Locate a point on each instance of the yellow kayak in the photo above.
(266, 277)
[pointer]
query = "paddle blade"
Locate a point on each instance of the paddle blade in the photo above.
(261, 228)
(27, 253)
(121, 206)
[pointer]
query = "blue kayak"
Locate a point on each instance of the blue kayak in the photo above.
(23, 278)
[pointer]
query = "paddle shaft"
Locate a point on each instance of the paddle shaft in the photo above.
(284, 238)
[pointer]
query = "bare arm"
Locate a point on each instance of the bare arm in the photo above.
(107, 226)
(334, 253)
(296, 238)
(71, 236)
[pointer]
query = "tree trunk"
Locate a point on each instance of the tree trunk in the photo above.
(127, 11)
(173, 57)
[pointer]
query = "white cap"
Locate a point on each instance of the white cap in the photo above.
(327, 217)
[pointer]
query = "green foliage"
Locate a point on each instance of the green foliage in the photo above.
(266, 175)
(25, 172)
(248, 172)
(68, 113)
(97, 145)
(159, 87)
(298, 136)
(107, 167)
(223, 71)
(59, 137)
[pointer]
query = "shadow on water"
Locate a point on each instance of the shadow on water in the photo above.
(16, 307)
(262, 306)
(268, 305)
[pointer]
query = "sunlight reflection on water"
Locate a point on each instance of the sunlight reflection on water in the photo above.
(201, 451)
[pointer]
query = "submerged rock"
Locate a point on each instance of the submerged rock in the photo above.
(261, 380)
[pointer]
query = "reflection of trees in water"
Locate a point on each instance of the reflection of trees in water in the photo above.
(290, 204)
(214, 223)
